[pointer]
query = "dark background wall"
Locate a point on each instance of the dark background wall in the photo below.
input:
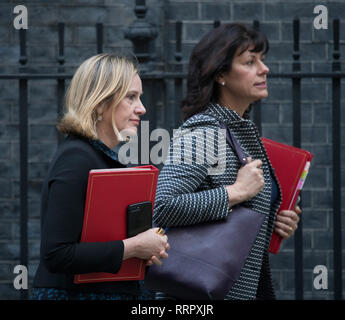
(80, 17)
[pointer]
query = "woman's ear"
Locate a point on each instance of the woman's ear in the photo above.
(100, 109)
(220, 79)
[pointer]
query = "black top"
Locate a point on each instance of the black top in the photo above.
(275, 191)
(62, 214)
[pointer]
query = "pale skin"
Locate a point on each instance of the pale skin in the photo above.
(245, 83)
(148, 245)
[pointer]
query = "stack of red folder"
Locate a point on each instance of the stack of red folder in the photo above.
(109, 192)
(291, 166)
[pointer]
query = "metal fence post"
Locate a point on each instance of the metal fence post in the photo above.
(296, 94)
(177, 119)
(99, 36)
(61, 69)
(257, 105)
(23, 142)
(141, 33)
(336, 130)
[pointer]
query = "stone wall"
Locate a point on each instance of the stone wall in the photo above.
(80, 17)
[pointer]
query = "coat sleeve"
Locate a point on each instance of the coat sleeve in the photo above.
(183, 197)
(62, 227)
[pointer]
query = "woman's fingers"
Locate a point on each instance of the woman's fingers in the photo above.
(155, 260)
(149, 262)
(163, 254)
(287, 222)
(298, 209)
(286, 215)
(282, 233)
(289, 229)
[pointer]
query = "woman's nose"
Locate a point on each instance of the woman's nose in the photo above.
(140, 109)
(264, 69)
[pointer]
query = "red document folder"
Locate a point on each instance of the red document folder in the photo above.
(109, 192)
(291, 166)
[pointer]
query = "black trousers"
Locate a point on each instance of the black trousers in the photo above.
(265, 288)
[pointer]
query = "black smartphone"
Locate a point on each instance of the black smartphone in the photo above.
(139, 218)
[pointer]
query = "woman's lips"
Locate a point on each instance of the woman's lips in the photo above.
(262, 85)
(135, 121)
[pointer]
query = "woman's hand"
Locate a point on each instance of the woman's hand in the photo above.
(155, 260)
(287, 222)
(249, 182)
(147, 245)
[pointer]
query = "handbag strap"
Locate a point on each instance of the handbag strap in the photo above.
(231, 139)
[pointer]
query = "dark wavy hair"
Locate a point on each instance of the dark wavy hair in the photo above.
(214, 55)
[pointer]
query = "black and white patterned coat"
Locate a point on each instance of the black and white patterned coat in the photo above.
(191, 190)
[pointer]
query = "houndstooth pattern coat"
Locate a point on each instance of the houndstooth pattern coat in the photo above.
(191, 189)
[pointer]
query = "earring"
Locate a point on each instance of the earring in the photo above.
(99, 118)
(223, 83)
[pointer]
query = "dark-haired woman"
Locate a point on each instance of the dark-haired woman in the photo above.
(226, 75)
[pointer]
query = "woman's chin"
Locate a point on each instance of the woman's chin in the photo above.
(129, 132)
(262, 95)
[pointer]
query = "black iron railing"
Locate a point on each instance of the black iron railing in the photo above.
(172, 119)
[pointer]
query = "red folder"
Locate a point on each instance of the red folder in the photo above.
(291, 166)
(109, 192)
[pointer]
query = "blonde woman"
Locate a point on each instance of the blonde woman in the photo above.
(103, 100)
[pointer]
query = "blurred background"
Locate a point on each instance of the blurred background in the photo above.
(304, 108)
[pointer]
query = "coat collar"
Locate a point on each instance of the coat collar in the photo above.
(230, 117)
(112, 153)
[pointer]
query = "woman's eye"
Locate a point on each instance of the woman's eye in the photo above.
(131, 97)
(250, 62)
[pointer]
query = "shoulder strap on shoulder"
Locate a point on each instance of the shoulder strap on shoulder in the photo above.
(232, 141)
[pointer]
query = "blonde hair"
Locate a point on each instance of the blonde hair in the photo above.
(101, 79)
